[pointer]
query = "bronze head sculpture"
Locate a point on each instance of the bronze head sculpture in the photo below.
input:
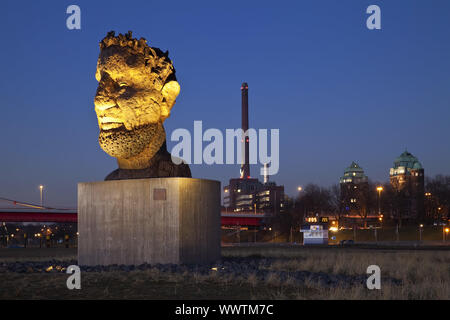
(136, 92)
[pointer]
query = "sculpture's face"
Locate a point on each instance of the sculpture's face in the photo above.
(131, 101)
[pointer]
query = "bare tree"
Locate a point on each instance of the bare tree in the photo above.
(315, 200)
(437, 199)
(336, 201)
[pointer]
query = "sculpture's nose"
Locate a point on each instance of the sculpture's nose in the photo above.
(103, 102)
(105, 97)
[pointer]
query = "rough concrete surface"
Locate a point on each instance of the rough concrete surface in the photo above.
(129, 222)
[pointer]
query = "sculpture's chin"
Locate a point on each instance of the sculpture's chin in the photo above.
(123, 143)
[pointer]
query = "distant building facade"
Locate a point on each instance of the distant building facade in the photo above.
(271, 198)
(408, 182)
(241, 194)
(354, 186)
(250, 195)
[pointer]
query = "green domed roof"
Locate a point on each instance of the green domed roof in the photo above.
(407, 160)
(354, 167)
(354, 174)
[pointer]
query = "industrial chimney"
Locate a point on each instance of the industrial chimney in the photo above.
(245, 166)
(266, 173)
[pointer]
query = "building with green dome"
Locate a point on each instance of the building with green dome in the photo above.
(353, 174)
(406, 164)
(354, 186)
(408, 181)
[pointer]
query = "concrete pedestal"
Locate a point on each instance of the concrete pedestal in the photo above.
(156, 220)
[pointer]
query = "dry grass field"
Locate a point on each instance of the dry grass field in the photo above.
(424, 274)
(406, 274)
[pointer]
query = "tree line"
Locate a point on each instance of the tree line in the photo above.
(327, 201)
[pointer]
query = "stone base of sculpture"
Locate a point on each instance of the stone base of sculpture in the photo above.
(157, 220)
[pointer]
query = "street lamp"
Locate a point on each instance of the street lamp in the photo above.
(445, 233)
(299, 189)
(428, 208)
(379, 189)
(41, 189)
(420, 232)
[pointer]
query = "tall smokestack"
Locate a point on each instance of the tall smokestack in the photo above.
(266, 173)
(245, 167)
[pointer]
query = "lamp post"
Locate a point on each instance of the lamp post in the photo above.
(379, 189)
(380, 217)
(420, 232)
(299, 189)
(445, 231)
(428, 209)
(41, 189)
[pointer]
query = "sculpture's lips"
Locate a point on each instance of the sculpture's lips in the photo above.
(110, 126)
(107, 119)
(108, 123)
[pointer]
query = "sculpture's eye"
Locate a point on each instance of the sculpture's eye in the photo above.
(123, 84)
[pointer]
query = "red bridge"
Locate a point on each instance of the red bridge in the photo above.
(242, 219)
(68, 215)
(38, 215)
(35, 213)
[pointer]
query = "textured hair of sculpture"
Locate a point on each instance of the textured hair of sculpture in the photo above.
(156, 60)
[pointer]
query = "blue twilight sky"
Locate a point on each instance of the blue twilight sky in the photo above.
(337, 91)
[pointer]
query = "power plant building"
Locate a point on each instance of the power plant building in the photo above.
(246, 194)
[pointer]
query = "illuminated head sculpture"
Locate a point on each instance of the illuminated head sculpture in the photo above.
(136, 91)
